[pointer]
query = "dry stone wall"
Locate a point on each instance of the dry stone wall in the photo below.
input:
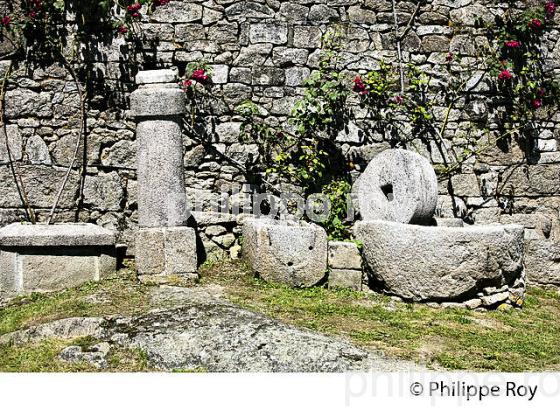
(263, 50)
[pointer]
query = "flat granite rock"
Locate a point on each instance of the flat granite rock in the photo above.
(425, 263)
(156, 76)
(399, 186)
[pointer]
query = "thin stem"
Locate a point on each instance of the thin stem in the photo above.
(13, 167)
(78, 141)
(399, 51)
(410, 21)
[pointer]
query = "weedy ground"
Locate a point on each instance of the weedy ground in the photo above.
(525, 339)
(513, 340)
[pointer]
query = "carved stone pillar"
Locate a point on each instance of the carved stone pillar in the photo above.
(164, 244)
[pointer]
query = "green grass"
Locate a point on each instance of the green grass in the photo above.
(43, 357)
(120, 294)
(510, 340)
(525, 339)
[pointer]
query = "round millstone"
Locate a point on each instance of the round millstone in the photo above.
(398, 186)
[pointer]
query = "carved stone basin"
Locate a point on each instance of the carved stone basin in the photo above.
(294, 253)
(427, 263)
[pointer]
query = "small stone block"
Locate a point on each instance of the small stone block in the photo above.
(344, 255)
(345, 279)
(494, 299)
(156, 77)
(449, 222)
(149, 251)
(166, 251)
(180, 250)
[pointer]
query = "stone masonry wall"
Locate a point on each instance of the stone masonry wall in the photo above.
(263, 50)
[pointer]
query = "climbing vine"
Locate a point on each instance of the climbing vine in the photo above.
(305, 153)
(518, 65)
(402, 103)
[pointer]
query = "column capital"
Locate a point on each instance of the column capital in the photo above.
(158, 95)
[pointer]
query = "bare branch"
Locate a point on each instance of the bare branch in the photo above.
(13, 167)
(70, 69)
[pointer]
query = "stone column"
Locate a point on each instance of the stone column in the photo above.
(164, 244)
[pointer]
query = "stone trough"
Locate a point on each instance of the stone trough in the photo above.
(39, 258)
(294, 253)
(445, 264)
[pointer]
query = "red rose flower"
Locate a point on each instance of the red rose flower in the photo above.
(449, 57)
(199, 76)
(186, 83)
(122, 29)
(134, 7)
(535, 24)
(398, 99)
(158, 3)
(359, 86)
(550, 9)
(513, 44)
(6, 20)
(536, 103)
(505, 75)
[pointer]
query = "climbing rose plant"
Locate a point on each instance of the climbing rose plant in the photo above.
(43, 32)
(42, 16)
(513, 65)
(518, 63)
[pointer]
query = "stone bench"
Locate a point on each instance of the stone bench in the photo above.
(39, 258)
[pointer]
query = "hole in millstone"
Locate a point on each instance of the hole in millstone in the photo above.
(387, 190)
(290, 264)
(265, 208)
(311, 248)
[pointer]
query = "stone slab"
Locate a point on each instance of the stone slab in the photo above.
(449, 222)
(166, 251)
(423, 263)
(294, 253)
(68, 235)
(204, 218)
(397, 185)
